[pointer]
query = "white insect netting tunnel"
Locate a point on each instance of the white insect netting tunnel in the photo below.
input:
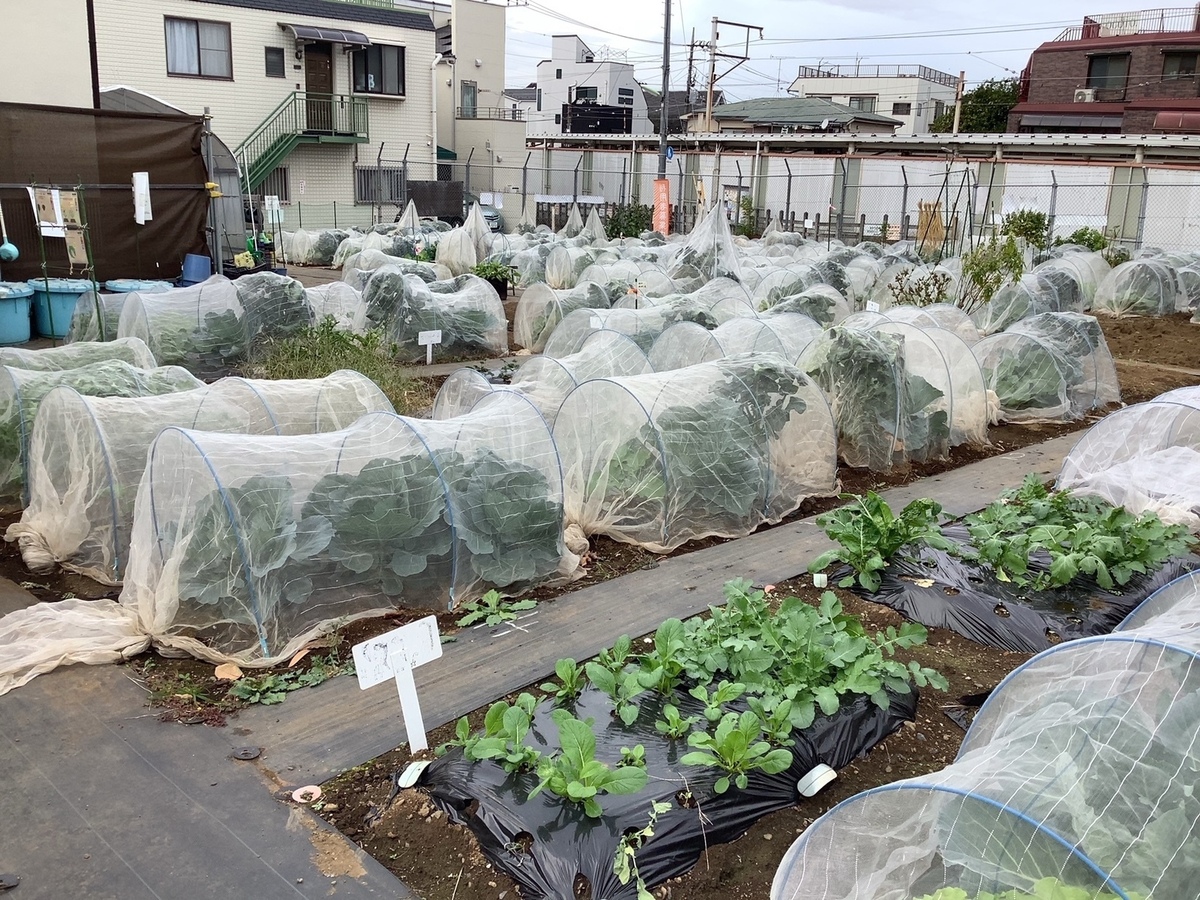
(1076, 780)
(1052, 367)
(547, 380)
(466, 310)
(541, 308)
(1145, 457)
(642, 325)
(722, 298)
(1140, 287)
(197, 327)
(715, 449)
(822, 302)
(1030, 295)
(22, 392)
(81, 353)
(87, 455)
(247, 547)
(340, 302)
(686, 343)
(890, 393)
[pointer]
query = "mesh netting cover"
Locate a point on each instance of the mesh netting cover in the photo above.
(545, 380)
(708, 252)
(23, 390)
(197, 327)
(686, 343)
(565, 265)
(312, 248)
(456, 251)
(86, 455)
(85, 323)
(72, 356)
(247, 547)
(574, 223)
(1145, 458)
(643, 325)
(541, 308)
(821, 302)
(467, 310)
(341, 302)
(1053, 367)
(891, 402)
(1076, 780)
(714, 449)
(359, 266)
(647, 278)
(1030, 295)
(722, 298)
(1141, 287)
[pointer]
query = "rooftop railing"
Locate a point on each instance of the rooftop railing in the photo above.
(857, 70)
(1180, 20)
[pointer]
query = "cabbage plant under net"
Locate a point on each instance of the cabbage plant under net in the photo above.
(1145, 457)
(821, 303)
(72, 356)
(686, 343)
(198, 327)
(312, 248)
(714, 449)
(546, 380)
(358, 268)
(466, 310)
(304, 405)
(1076, 780)
(247, 547)
(89, 323)
(708, 251)
(643, 325)
(1030, 295)
(23, 390)
(541, 308)
(1140, 287)
(886, 402)
(340, 302)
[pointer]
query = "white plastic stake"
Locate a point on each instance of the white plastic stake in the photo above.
(394, 655)
(427, 339)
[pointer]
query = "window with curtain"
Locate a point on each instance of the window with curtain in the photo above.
(379, 69)
(1108, 73)
(862, 104)
(469, 98)
(198, 48)
(276, 63)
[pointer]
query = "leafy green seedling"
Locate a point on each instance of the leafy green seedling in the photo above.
(634, 756)
(714, 702)
(663, 666)
(576, 775)
(623, 688)
(672, 724)
(492, 609)
(736, 750)
(625, 862)
(570, 682)
(504, 729)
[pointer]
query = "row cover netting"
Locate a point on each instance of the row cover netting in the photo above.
(87, 455)
(1145, 457)
(246, 546)
(1076, 779)
(714, 449)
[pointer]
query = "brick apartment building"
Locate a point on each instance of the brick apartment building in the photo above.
(1119, 73)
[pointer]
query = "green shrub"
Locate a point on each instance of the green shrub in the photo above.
(1092, 238)
(1029, 224)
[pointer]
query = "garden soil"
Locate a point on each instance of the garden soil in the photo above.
(1166, 341)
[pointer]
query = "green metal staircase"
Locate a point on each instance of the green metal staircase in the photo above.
(302, 118)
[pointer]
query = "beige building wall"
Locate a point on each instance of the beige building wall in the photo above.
(132, 51)
(44, 54)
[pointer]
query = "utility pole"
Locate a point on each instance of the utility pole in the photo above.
(958, 95)
(664, 117)
(713, 77)
(691, 79)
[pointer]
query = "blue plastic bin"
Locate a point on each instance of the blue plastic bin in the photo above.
(54, 302)
(127, 285)
(196, 268)
(14, 312)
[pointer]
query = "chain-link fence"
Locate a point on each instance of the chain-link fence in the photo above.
(952, 203)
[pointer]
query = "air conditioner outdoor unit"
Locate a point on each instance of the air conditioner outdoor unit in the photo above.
(1085, 95)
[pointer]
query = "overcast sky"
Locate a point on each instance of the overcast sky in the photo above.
(986, 40)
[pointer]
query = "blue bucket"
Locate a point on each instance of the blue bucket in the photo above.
(54, 302)
(126, 285)
(14, 312)
(196, 268)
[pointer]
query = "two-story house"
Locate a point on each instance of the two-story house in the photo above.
(916, 95)
(579, 94)
(1131, 73)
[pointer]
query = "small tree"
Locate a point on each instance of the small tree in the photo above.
(986, 268)
(984, 109)
(1028, 224)
(1091, 238)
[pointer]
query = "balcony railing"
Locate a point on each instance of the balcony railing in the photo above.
(1146, 21)
(861, 71)
(489, 112)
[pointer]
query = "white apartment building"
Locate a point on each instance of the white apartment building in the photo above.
(915, 95)
(597, 96)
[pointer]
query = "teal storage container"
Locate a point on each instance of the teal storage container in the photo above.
(14, 312)
(126, 285)
(54, 301)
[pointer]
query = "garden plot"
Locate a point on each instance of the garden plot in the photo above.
(246, 548)
(1141, 287)
(79, 353)
(642, 325)
(714, 449)
(541, 308)
(687, 344)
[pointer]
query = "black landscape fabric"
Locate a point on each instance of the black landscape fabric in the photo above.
(545, 843)
(944, 591)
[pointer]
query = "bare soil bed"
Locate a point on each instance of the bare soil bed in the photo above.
(1165, 341)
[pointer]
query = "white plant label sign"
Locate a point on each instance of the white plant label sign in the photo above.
(394, 655)
(872, 306)
(427, 339)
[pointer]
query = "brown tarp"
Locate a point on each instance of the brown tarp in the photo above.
(101, 149)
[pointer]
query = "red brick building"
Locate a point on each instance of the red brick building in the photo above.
(1119, 73)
